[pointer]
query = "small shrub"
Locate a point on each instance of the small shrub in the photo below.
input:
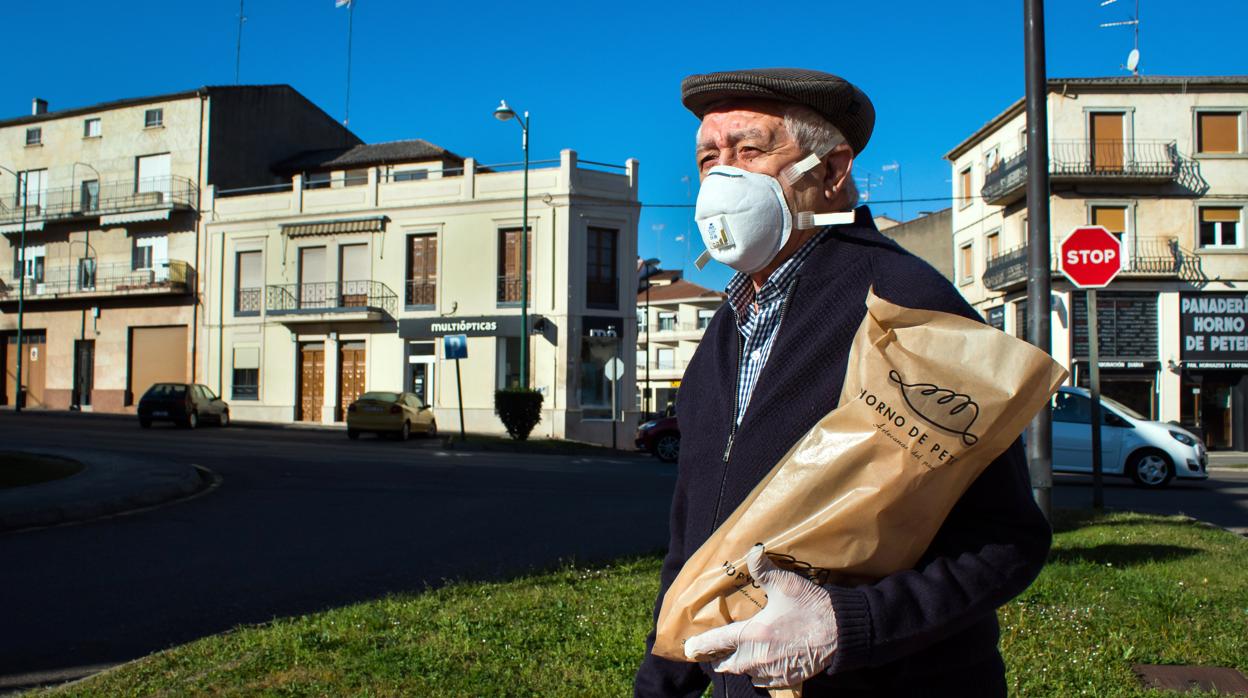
(519, 409)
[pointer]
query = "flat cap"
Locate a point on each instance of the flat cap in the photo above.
(833, 97)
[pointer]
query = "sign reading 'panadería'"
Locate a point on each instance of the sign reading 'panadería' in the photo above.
(1215, 329)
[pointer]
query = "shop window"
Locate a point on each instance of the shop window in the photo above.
(508, 363)
(1217, 133)
(510, 283)
(1219, 226)
(601, 289)
(422, 269)
(597, 348)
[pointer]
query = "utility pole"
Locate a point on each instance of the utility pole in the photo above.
(1040, 431)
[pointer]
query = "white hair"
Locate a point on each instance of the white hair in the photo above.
(812, 132)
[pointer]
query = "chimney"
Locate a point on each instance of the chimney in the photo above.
(38, 106)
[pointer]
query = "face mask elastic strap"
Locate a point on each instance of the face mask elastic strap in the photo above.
(808, 219)
(797, 170)
(702, 259)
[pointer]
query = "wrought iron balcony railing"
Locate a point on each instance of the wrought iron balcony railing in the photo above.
(509, 289)
(1141, 161)
(421, 293)
(247, 301)
(1156, 257)
(90, 278)
(125, 196)
(329, 296)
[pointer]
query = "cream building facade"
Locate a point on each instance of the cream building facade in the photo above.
(347, 276)
(1162, 162)
(672, 316)
(108, 279)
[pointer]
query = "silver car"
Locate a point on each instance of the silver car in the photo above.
(1150, 453)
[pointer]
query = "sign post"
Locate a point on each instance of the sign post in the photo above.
(614, 369)
(1091, 256)
(455, 346)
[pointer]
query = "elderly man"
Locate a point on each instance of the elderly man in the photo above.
(775, 151)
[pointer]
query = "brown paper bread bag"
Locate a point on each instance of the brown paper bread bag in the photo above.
(929, 400)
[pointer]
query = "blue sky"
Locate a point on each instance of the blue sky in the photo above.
(603, 78)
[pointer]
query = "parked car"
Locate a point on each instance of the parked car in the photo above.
(185, 404)
(1149, 452)
(397, 414)
(661, 437)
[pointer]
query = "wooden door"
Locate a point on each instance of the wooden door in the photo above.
(311, 382)
(1107, 142)
(351, 374)
(34, 359)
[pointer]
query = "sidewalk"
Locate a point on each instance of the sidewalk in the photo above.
(107, 485)
(1227, 459)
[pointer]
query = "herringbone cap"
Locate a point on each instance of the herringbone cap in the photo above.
(837, 99)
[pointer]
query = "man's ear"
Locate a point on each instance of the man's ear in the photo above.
(837, 167)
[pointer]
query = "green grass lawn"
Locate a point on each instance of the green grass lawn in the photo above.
(1119, 589)
(18, 469)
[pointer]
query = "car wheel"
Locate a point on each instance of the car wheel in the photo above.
(145, 423)
(353, 434)
(1150, 469)
(405, 432)
(667, 448)
(433, 429)
(192, 420)
(224, 419)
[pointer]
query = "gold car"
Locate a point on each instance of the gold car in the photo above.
(398, 414)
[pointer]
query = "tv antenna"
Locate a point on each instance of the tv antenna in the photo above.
(1133, 58)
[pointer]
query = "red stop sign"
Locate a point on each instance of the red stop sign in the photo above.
(1090, 256)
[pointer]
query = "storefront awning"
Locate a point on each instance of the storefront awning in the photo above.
(17, 227)
(136, 217)
(373, 224)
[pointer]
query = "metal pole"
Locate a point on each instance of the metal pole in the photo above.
(19, 395)
(524, 267)
(346, 116)
(648, 398)
(1040, 432)
(238, 49)
(1094, 374)
(459, 386)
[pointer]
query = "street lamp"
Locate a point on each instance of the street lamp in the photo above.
(649, 268)
(18, 394)
(505, 113)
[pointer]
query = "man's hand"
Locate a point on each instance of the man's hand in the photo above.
(790, 640)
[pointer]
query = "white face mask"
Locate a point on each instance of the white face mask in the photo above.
(744, 218)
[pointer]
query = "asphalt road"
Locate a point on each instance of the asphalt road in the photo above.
(303, 520)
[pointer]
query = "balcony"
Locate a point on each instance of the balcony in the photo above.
(421, 293)
(101, 280)
(330, 301)
(126, 198)
(1150, 258)
(509, 288)
(1137, 162)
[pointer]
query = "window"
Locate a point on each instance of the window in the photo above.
(151, 252)
(410, 175)
(641, 360)
(248, 282)
(1072, 408)
(34, 136)
(966, 263)
(964, 188)
(1219, 226)
(1217, 132)
(1107, 136)
(36, 190)
(1112, 218)
(153, 118)
(704, 318)
(667, 322)
(641, 320)
(140, 257)
(91, 128)
(508, 362)
(355, 178)
(992, 158)
(246, 382)
(422, 269)
(598, 347)
(33, 267)
(601, 290)
(1022, 230)
(151, 174)
(90, 195)
(509, 282)
(316, 180)
(666, 359)
(86, 274)
(992, 245)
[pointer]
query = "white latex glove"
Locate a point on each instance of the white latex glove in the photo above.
(790, 640)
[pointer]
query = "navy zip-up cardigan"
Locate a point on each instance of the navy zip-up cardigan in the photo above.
(930, 630)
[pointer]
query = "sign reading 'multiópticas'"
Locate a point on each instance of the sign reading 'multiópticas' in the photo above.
(1215, 329)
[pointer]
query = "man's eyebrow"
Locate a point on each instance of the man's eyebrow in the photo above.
(752, 133)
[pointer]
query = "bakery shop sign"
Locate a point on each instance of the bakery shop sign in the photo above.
(1215, 329)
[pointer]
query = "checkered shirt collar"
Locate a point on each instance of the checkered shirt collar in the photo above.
(740, 288)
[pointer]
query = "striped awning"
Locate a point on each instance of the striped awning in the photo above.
(135, 217)
(373, 224)
(17, 227)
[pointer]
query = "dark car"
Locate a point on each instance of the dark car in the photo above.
(661, 437)
(185, 404)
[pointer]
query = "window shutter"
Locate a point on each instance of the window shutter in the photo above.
(1219, 215)
(1218, 133)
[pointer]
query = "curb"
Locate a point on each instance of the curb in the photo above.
(46, 509)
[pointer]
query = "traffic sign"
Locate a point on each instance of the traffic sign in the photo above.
(615, 369)
(1090, 256)
(455, 346)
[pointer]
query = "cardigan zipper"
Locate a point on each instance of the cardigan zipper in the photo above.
(732, 433)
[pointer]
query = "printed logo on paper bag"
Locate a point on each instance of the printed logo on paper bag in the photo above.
(940, 407)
